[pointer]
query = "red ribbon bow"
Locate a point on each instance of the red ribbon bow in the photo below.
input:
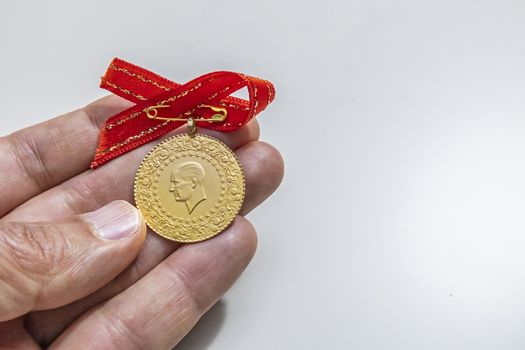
(158, 101)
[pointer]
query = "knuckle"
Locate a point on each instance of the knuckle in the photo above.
(39, 250)
(191, 300)
(125, 329)
(29, 159)
(28, 259)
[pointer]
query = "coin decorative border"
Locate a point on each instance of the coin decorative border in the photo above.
(231, 193)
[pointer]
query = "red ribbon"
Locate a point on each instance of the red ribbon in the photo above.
(132, 128)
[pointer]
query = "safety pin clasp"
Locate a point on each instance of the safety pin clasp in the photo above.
(219, 116)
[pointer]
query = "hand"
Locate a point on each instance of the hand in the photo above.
(77, 268)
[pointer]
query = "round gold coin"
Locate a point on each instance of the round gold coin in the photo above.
(189, 188)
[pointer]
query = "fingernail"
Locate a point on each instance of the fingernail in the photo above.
(116, 220)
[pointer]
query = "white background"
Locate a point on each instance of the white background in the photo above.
(400, 222)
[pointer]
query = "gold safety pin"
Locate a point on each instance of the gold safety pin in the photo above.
(219, 116)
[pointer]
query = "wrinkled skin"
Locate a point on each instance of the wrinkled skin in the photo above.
(100, 280)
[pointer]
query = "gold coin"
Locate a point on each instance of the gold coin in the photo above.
(189, 188)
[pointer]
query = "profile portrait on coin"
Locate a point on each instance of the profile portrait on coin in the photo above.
(187, 184)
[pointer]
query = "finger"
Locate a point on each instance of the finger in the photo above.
(263, 168)
(263, 171)
(41, 156)
(46, 265)
(112, 181)
(158, 311)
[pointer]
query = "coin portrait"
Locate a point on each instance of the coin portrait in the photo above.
(187, 184)
(189, 188)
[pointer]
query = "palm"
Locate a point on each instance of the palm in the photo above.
(46, 177)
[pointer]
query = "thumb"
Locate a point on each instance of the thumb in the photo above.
(47, 265)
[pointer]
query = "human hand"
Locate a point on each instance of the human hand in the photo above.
(97, 281)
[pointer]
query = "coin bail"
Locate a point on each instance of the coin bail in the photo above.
(191, 128)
